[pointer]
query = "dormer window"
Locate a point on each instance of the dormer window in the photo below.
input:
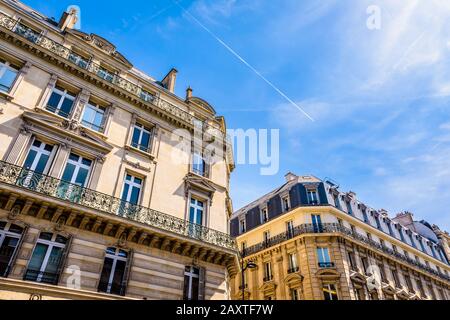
(94, 117)
(264, 215)
(242, 225)
(286, 204)
(313, 197)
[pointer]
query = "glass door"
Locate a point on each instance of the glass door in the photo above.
(75, 177)
(36, 164)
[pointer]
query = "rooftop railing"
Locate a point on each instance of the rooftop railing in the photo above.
(63, 52)
(336, 228)
(61, 190)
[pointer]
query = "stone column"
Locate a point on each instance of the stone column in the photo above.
(19, 146)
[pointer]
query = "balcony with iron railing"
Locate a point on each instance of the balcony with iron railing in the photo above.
(93, 68)
(326, 265)
(54, 188)
(42, 277)
(335, 228)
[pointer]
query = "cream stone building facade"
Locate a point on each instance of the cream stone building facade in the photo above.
(94, 200)
(311, 241)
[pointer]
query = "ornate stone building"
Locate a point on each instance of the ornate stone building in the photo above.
(94, 200)
(309, 240)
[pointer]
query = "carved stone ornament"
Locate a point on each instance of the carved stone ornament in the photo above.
(14, 213)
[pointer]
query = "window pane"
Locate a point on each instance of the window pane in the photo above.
(135, 195)
(46, 236)
(68, 172)
(7, 80)
(82, 177)
(53, 102)
(106, 273)
(135, 140)
(66, 108)
(118, 275)
(30, 159)
(145, 141)
(125, 192)
(53, 260)
(42, 163)
(38, 257)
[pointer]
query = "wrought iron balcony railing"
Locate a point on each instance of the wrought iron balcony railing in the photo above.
(326, 265)
(337, 228)
(42, 277)
(58, 189)
(112, 288)
(60, 50)
(293, 270)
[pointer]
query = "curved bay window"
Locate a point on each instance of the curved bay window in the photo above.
(10, 236)
(114, 274)
(48, 258)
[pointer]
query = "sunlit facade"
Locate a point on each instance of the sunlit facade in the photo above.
(92, 203)
(312, 241)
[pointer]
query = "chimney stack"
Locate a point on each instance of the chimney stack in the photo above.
(290, 177)
(188, 93)
(68, 19)
(169, 80)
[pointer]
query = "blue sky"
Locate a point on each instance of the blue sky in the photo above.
(380, 98)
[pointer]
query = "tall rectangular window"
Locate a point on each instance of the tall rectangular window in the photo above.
(366, 218)
(141, 137)
(323, 257)
(365, 264)
(377, 221)
(242, 225)
(264, 215)
(330, 292)
(39, 157)
(349, 208)
(61, 102)
(132, 189)
(198, 164)
(105, 74)
(352, 261)
(286, 204)
(94, 117)
(293, 267)
(337, 203)
(294, 295)
(267, 272)
(395, 277)
(10, 235)
(313, 197)
(266, 236)
(8, 74)
(147, 96)
(196, 211)
(408, 283)
(75, 177)
(191, 283)
(113, 273)
(317, 223)
(290, 229)
(46, 258)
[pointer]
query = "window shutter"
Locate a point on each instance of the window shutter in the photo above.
(62, 262)
(16, 253)
(127, 273)
(302, 194)
(234, 227)
(322, 194)
(202, 284)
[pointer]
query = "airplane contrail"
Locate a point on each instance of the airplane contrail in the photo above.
(240, 58)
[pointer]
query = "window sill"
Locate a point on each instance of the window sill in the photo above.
(199, 175)
(5, 95)
(141, 152)
(101, 135)
(47, 112)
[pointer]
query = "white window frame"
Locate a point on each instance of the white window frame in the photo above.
(79, 165)
(286, 203)
(51, 244)
(290, 228)
(4, 66)
(311, 194)
(326, 288)
(6, 233)
(115, 258)
(242, 225)
(292, 259)
(39, 152)
(142, 129)
(321, 255)
(64, 95)
(268, 270)
(191, 275)
(98, 109)
(131, 185)
(197, 208)
(266, 236)
(264, 215)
